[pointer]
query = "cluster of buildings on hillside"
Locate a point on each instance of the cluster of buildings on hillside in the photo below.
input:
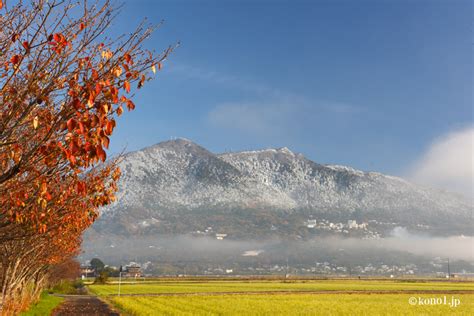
(323, 224)
(210, 232)
(343, 228)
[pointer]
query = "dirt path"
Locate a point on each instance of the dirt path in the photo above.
(83, 305)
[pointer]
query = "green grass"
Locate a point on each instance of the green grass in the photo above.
(291, 304)
(262, 286)
(45, 305)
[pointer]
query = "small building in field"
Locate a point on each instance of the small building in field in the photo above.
(133, 271)
(87, 272)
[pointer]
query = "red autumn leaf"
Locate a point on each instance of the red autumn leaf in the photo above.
(73, 148)
(82, 26)
(98, 88)
(15, 37)
(128, 58)
(72, 159)
(100, 153)
(77, 104)
(26, 45)
(95, 74)
(71, 124)
(57, 37)
(15, 59)
(81, 128)
(48, 196)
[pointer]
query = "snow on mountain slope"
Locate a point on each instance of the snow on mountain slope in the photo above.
(181, 175)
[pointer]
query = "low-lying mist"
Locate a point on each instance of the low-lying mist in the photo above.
(345, 250)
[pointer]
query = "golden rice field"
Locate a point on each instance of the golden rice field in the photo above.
(297, 297)
(265, 286)
(290, 304)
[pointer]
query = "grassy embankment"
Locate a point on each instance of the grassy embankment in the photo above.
(44, 306)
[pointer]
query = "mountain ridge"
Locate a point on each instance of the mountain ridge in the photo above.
(179, 176)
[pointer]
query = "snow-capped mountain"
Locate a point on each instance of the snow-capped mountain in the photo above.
(164, 184)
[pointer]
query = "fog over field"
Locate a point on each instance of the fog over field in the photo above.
(189, 248)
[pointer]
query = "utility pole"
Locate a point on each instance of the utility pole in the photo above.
(449, 270)
(120, 282)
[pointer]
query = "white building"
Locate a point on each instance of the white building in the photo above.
(352, 224)
(221, 236)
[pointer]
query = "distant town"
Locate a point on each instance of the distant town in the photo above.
(438, 268)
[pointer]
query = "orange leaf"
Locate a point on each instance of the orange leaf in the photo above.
(101, 153)
(126, 85)
(109, 128)
(142, 80)
(48, 196)
(105, 142)
(91, 100)
(119, 110)
(130, 105)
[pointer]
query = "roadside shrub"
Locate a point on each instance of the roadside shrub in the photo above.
(64, 287)
(101, 278)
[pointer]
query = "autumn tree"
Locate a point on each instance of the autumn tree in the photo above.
(63, 83)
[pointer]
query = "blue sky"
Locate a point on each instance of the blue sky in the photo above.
(370, 84)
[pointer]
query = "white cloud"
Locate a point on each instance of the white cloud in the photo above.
(448, 163)
(276, 118)
(252, 118)
(228, 80)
